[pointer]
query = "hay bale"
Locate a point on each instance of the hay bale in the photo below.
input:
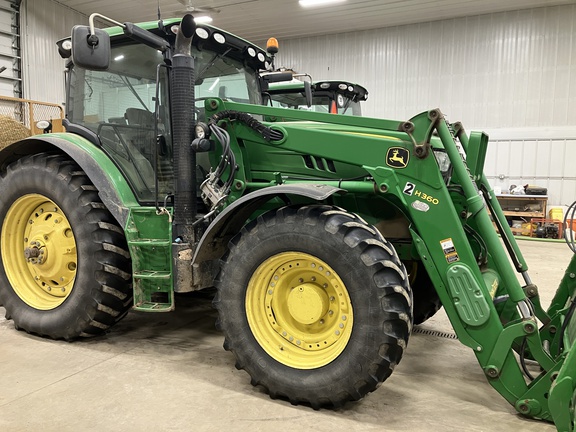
(11, 131)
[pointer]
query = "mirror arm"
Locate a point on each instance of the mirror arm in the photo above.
(94, 15)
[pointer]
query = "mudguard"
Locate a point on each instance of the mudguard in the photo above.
(110, 182)
(214, 242)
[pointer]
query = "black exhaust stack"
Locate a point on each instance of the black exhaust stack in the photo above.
(183, 121)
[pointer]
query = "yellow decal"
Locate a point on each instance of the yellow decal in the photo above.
(494, 288)
(397, 157)
(426, 197)
(373, 135)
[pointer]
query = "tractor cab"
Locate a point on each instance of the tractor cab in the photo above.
(125, 107)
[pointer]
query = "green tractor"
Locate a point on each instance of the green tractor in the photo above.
(319, 233)
(287, 89)
(329, 96)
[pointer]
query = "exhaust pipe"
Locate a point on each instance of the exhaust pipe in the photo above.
(183, 122)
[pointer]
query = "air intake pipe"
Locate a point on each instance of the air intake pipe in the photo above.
(183, 122)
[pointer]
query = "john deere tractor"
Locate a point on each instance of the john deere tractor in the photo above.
(329, 96)
(324, 235)
(288, 89)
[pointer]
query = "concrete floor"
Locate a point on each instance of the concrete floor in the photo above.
(169, 372)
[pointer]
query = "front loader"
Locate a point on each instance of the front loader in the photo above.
(326, 236)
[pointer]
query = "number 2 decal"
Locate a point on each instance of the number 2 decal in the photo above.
(409, 188)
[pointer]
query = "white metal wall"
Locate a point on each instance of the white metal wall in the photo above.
(513, 73)
(538, 156)
(43, 22)
(9, 53)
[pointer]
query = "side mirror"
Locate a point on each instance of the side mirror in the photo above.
(308, 93)
(274, 77)
(90, 51)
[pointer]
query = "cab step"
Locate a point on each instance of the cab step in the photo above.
(149, 240)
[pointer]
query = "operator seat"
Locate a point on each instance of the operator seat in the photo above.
(137, 116)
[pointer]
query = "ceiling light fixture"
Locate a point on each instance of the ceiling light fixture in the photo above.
(203, 19)
(312, 3)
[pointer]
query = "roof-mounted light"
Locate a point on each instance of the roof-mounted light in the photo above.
(261, 57)
(325, 86)
(342, 86)
(64, 48)
(272, 46)
(251, 52)
(202, 33)
(219, 37)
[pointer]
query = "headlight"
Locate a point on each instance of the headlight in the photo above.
(44, 125)
(202, 130)
(443, 163)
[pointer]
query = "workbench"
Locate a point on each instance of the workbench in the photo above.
(523, 206)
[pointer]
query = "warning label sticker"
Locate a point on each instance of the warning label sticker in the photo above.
(453, 257)
(449, 250)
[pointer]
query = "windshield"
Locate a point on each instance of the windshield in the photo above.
(320, 102)
(119, 105)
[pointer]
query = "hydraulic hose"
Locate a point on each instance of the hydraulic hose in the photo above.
(266, 132)
(568, 233)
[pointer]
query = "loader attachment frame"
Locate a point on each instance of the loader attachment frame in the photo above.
(546, 336)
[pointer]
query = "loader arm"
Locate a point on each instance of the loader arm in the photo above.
(487, 306)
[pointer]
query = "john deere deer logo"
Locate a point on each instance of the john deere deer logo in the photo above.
(397, 157)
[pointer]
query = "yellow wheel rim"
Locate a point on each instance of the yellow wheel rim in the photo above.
(38, 252)
(299, 310)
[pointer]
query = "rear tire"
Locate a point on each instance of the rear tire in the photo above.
(314, 304)
(65, 270)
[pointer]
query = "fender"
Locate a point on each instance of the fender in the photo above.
(214, 241)
(112, 187)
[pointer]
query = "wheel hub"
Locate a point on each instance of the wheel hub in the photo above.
(30, 253)
(307, 303)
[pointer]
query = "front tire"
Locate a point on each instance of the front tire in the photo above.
(314, 304)
(64, 267)
(426, 300)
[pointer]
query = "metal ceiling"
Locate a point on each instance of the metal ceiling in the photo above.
(256, 20)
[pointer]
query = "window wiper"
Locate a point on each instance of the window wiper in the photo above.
(134, 92)
(346, 106)
(211, 63)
